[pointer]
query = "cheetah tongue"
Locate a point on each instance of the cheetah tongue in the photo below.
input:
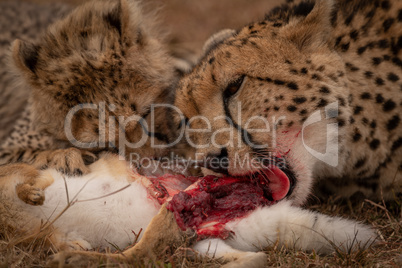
(279, 183)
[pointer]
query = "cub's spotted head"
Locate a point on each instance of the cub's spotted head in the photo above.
(248, 102)
(105, 53)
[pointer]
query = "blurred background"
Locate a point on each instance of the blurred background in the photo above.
(190, 22)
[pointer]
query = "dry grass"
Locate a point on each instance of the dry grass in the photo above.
(386, 218)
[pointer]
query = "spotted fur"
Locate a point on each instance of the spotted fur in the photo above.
(342, 58)
(103, 52)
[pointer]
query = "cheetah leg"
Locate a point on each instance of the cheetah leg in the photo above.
(70, 161)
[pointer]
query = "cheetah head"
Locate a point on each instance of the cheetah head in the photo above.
(94, 70)
(248, 106)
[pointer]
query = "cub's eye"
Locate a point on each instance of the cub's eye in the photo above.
(234, 87)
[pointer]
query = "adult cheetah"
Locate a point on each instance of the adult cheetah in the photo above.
(314, 89)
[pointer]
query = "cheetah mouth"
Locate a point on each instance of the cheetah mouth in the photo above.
(208, 203)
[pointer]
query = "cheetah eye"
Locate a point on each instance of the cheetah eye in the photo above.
(233, 87)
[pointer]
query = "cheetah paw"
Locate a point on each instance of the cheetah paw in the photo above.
(71, 161)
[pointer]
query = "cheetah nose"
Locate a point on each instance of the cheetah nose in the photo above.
(219, 162)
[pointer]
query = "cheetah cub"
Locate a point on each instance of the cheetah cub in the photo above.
(95, 77)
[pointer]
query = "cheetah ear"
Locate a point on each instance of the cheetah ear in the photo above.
(118, 17)
(124, 17)
(313, 31)
(25, 56)
(217, 39)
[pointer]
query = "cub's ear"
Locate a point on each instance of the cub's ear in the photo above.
(25, 56)
(126, 16)
(117, 17)
(217, 39)
(314, 30)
